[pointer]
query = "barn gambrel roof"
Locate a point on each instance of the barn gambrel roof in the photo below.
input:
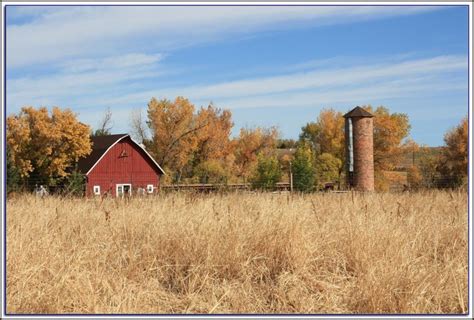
(101, 145)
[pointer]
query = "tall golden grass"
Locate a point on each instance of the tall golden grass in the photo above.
(239, 253)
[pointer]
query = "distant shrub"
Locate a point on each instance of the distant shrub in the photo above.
(267, 173)
(303, 169)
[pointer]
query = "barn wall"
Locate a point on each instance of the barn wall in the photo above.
(124, 163)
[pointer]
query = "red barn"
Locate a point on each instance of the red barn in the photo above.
(119, 166)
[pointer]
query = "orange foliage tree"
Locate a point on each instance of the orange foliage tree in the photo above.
(46, 145)
(326, 135)
(390, 130)
(214, 138)
(454, 157)
(184, 141)
(249, 144)
(213, 157)
(173, 128)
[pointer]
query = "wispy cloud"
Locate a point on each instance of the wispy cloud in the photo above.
(79, 32)
(89, 58)
(99, 83)
(131, 60)
(92, 78)
(336, 77)
(330, 85)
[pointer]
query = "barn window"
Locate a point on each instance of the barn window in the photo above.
(97, 190)
(123, 154)
(149, 188)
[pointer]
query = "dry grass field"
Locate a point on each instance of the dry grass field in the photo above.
(239, 253)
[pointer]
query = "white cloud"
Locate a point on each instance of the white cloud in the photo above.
(83, 32)
(354, 96)
(90, 85)
(90, 78)
(109, 63)
(328, 85)
(105, 82)
(337, 77)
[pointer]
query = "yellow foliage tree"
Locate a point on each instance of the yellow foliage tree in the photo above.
(249, 144)
(173, 128)
(390, 129)
(46, 144)
(414, 175)
(213, 140)
(326, 135)
(182, 141)
(457, 147)
(454, 158)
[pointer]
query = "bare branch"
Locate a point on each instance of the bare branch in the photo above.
(138, 126)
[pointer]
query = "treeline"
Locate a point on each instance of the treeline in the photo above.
(194, 145)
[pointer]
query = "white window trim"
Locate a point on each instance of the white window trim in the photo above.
(96, 190)
(122, 185)
(150, 188)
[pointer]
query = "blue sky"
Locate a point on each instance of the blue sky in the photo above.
(278, 65)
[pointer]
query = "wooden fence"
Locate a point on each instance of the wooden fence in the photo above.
(203, 187)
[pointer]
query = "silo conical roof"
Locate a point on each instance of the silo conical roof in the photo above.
(358, 112)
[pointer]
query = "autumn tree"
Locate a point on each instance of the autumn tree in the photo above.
(411, 151)
(249, 144)
(414, 177)
(213, 144)
(390, 130)
(46, 145)
(454, 157)
(326, 135)
(428, 160)
(173, 127)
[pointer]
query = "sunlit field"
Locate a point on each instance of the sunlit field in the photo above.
(239, 253)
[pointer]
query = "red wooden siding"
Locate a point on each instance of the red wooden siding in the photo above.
(124, 163)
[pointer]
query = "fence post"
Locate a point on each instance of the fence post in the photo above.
(291, 179)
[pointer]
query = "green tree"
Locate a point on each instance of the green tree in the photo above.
(303, 169)
(13, 176)
(211, 171)
(286, 144)
(267, 173)
(327, 168)
(74, 184)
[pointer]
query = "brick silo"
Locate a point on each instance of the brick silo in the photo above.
(359, 134)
